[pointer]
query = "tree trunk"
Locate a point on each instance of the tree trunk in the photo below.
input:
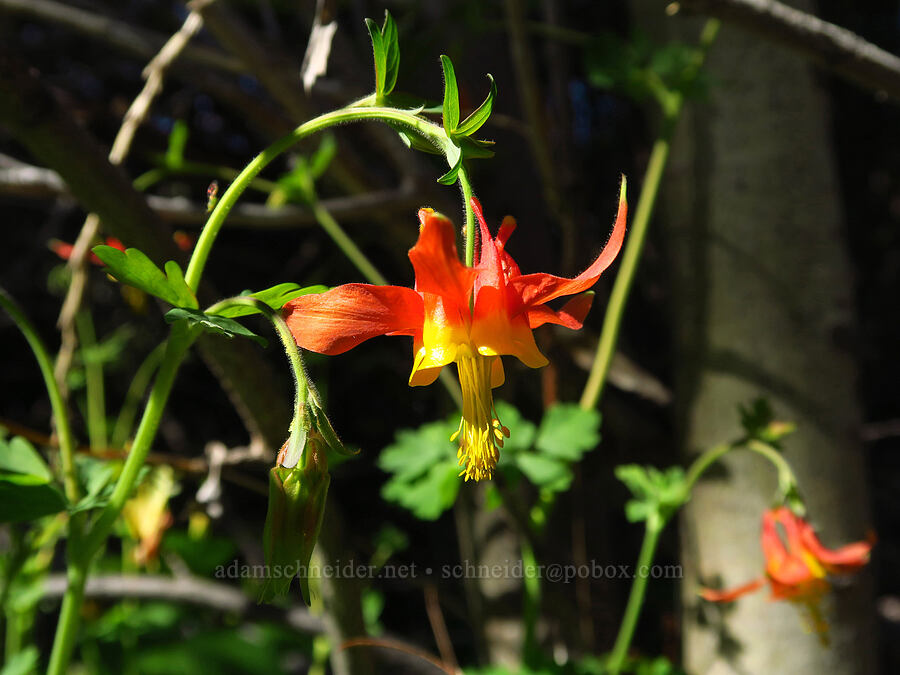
(763, 307)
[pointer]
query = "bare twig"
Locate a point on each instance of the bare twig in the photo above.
(29, 181)
(402, 647)
(439, 627)
(136, 114)
(186, 589)
(136, 41)
(835, 48)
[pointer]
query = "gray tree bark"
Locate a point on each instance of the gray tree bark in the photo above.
(763, 307)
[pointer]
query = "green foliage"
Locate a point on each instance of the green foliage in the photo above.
(134, 268)
(23, 663)
(298, 184)
(656, 493)
(17, 455)
(644, 70)
(26, 492)
(463, 146)
(213, 323)
(386, 52)
(425, 470)
(275, 297)
(450, 106)
(96, 479)
(758, 421)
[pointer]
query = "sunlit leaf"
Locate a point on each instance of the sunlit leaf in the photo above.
(134, 268)
(450, 106)
(481, 114)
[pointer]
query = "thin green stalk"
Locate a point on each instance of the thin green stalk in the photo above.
(93, 380)
(672, 103)
(615, 310)
(432, 132)
(470, 215)
(60, 414)
(139, 383)
(786, 478)
(69, 618)
(531, 601)
(653, 529)
(346, 244)
(180, 340)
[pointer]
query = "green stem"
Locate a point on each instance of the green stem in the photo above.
(532, 601)
(466, 187)
(93, 380)
(139, 383)
(615, 310)
(430, 131)
(346, 244)
(672, 104)
(60, 414)
(786, 478)
(180, 340)
(654, 527)
(69, 618)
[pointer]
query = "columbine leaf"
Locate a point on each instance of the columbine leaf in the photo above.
(450, 107)
(391, 45)
(274, 297)
(429, 497)
(567, 431)
(545, 472)
(425, 472)
(481, 114)
(380, 58)
(25, 497)
(134, 268)
(213, 323)
(19, 456)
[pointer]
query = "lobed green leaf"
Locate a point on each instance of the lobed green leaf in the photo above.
(213, 323)
(134, 268)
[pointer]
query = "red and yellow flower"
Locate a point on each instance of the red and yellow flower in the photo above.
(797, 564)
(470, 316)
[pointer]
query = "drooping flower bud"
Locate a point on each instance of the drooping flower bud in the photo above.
(296, 507)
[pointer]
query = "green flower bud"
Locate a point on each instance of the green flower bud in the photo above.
(294, 518)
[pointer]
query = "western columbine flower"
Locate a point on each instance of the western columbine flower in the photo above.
(797, 564)
(467, 315)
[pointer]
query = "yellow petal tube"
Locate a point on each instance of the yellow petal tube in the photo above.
(480, 433)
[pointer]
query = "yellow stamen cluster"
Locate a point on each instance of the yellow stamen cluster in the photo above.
(480, 432)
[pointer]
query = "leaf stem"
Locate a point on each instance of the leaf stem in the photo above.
(346, 244)
(431, 132)
(466, 187)
(672, 103)
(60, 413)
(654, 527)
(93, 380)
